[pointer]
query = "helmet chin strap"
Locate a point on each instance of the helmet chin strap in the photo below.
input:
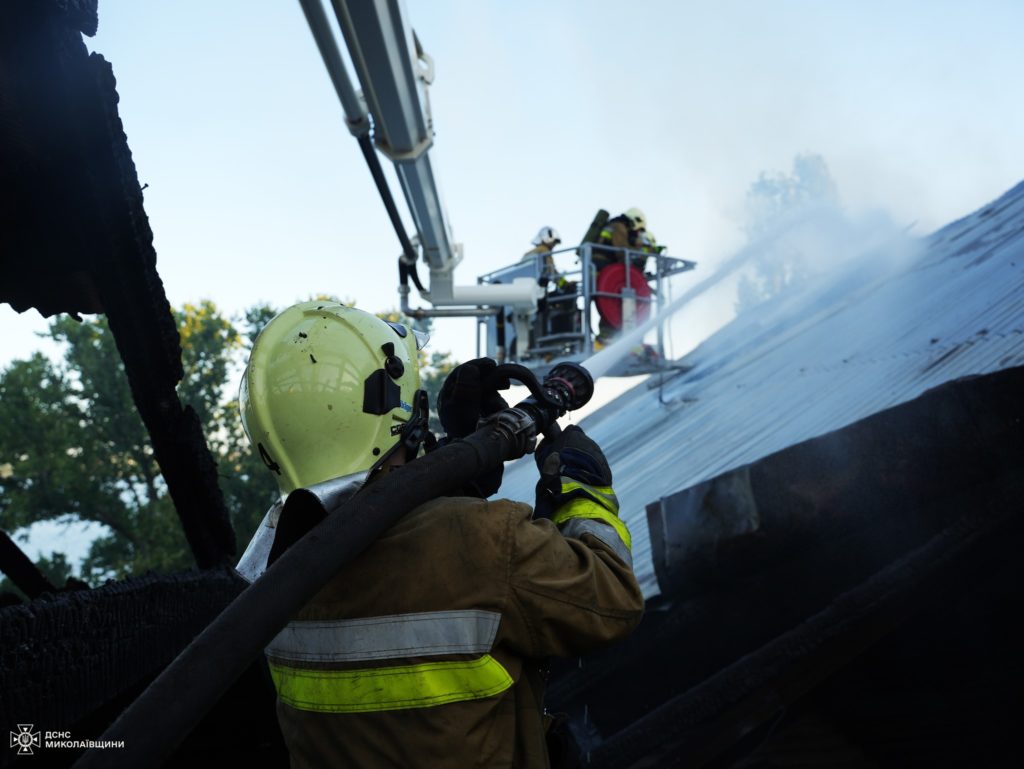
(413, 434)
(417, 431)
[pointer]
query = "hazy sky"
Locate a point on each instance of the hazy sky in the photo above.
(546, 111)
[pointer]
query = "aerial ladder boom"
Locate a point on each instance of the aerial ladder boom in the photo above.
(394, 73)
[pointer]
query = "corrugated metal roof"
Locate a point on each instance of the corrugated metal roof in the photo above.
(875, 333)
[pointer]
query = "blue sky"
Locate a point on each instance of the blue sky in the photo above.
(545, 112)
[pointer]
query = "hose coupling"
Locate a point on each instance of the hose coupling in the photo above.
(514, 427)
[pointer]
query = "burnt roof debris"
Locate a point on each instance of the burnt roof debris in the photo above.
(708, 721)
(840, 541)
(77, 659)
(909, 459)
(50, 231)
(22, 572)
(77, 238)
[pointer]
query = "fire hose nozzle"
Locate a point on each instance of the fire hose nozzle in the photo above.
(572, 383)
(567, 387)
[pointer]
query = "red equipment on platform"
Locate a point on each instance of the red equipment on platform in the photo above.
(611, 280)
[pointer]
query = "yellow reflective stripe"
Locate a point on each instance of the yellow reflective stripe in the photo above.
(603, 495)
(392, 688)
(587, 508)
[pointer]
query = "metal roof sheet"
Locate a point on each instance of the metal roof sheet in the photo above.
(877, 332)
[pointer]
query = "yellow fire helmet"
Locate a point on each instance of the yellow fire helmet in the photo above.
(636, 216)
(330, 391)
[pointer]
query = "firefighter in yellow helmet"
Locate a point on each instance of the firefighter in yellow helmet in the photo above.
(625, 231)
(427, 650)
(622, 231)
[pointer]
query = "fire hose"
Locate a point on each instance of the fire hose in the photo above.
(174, 703)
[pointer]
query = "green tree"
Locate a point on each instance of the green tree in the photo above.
(77, 449)
(781, 262)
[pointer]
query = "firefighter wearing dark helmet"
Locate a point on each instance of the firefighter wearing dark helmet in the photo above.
(426, 650)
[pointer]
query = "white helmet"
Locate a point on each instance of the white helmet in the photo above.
(636, 216)
(547, 236)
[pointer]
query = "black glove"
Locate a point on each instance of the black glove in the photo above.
(574, 457)
(469, 394)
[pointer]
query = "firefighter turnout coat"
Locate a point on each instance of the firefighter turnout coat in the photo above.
(616, 233)
(427, 650)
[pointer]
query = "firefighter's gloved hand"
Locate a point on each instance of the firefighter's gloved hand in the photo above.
(469, 394)
(578, 457)
(572, 467)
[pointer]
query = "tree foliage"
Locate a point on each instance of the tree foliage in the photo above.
(770, 200)
(73, 448)
(77, 448)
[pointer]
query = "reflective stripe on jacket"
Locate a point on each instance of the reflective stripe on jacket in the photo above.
(425, 650)
(393, 637)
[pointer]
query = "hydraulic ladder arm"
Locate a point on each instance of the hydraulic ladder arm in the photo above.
(394, 73)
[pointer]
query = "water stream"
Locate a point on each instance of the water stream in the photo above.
(824, 231)
(600, 363)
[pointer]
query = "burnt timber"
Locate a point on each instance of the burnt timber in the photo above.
(76, 237)
(882, 576)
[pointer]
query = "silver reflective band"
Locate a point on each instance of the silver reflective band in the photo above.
(574, 527)
(327, 496)
(320, 498)
(253, 562)
(423, 634)
(422, 338)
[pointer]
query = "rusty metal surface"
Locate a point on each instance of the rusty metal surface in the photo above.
(874, 334)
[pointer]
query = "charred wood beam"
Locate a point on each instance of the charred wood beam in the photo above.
(44, 227)
(906, 461)
(703, 723)
(20, 569)
(830, 513)
(69, 655)
(77, 239)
